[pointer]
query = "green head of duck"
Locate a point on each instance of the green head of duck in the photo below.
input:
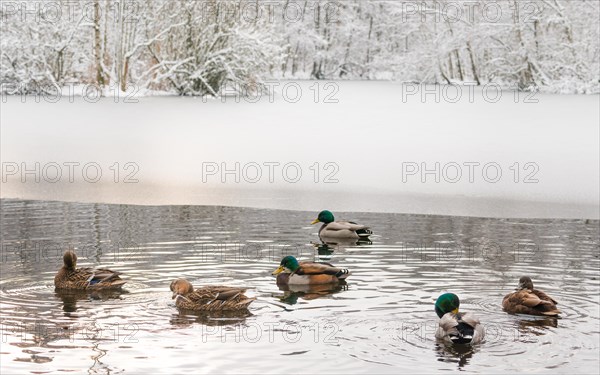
(288, 264)
(447, 302)
(324, 217)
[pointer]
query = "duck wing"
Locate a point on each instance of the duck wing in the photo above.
(530, 302)
(470, 319)
(215, 293)
(103, 277)
(73, 278)
(530, 299)
(228, 293)
(216, 298)
(345, 229)
(313, 268)
(345, 225)
(543, 296)
(80, 274)
(448, 322)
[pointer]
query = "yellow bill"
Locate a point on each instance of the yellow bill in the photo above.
(314, 221)
(278, 271)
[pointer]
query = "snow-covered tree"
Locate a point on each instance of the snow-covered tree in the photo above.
(197, 47)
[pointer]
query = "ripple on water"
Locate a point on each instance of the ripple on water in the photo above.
(381, 321)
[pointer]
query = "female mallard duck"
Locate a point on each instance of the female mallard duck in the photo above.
(527, 300)
(209, 298)
(70, 277)
(292, 272)
(456, 327)
(340, 229)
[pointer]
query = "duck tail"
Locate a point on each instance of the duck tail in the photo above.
(343, 273)
(364, 233)
(117, 283)
(464, 334)
(245, 303)
(554, 312)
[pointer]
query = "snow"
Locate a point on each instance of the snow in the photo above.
(373, 131)
(194, 47)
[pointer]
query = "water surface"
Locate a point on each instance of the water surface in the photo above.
(380, 321)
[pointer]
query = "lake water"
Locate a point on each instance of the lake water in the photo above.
(381, 321)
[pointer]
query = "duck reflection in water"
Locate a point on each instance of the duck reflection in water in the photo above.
(336, 244)
(460, 354)
(70, 297)
(536, 326)
(291, 293)
(326, 249)
(186, 318)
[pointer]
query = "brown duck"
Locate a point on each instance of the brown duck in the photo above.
(71, 277)
(209, 298)
(527, 300)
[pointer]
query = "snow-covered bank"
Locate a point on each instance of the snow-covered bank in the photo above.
(352, 146)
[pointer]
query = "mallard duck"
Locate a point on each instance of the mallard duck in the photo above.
(527, 300)
(456, 327)
(340, 229)
(70, 277)
(292, 272)
(209, 298)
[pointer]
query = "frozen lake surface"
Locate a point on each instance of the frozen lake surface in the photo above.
(353, 146)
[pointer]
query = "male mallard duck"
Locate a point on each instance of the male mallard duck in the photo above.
(527, 300)
(209, 298)
(340, 229)
(70, 277)
(292, 272)
(456, 327)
